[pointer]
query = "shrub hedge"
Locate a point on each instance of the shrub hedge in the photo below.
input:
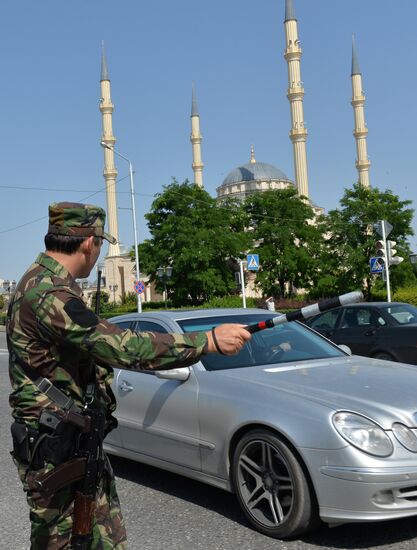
(408, 295)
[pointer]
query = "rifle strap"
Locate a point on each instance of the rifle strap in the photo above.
(56, 395)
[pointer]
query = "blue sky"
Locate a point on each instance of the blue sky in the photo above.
(50, 125)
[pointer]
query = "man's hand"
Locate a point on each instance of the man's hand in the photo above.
(227, 339)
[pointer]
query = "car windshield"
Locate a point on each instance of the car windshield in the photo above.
(404, 314)
(284, 343)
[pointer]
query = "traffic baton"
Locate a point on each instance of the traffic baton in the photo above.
(308, 311)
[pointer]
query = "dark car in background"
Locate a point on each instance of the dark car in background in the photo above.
(377, 329)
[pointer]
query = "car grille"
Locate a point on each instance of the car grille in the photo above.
(408, 493)
(401, 497)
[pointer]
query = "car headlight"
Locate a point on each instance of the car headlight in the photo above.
(362, 433)
(405, 436)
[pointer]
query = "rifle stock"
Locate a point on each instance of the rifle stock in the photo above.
(90, 448)
(84, 507)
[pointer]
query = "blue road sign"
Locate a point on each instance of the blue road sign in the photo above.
(376, 265)
(253, 262)
(139, 287)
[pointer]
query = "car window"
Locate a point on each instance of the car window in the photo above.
(284, 343)
(365, 317)
(325, 321)
(402, 313)
(358, 317)
(123, 324)
(148, 326)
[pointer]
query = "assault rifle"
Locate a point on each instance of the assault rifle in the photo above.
(90, 448)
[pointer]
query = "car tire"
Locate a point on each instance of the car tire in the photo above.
(383, 355)
(271, 486)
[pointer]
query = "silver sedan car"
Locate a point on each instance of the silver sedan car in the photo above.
(297, 428)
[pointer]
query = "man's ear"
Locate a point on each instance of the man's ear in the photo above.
(87, 245)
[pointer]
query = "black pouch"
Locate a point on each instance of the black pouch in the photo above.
(55, 448)
(21, 444)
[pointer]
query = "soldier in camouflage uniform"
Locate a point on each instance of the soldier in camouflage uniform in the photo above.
(52, 333)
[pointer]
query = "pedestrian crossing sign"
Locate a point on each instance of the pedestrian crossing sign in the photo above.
(253, 262)
(376, 265)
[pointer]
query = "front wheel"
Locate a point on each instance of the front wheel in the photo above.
(271, 486)
(384, 356)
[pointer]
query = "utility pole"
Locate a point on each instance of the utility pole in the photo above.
(242, 282)
(386, 260)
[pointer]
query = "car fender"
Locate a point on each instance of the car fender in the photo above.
(306, 426)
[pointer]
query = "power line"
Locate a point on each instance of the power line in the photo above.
(50, 189)
(103, 189)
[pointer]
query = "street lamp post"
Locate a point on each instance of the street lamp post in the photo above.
(9, 287)
(163, 274)
(135, 233)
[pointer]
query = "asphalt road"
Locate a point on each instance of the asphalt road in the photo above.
(164, 511)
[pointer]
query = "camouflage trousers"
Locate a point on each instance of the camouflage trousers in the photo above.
(51, 518)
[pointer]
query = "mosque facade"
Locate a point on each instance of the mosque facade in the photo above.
(118, 268)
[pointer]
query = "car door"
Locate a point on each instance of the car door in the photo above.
(115, 437)
(357, 328)
(158, 417)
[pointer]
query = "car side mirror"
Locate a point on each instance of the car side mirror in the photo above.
(345, 348)
(181, 374)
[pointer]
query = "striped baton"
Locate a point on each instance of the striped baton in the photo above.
(308, 311)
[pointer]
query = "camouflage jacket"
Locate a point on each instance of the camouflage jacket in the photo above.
(50, 329)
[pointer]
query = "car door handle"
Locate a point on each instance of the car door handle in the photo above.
(125, 387)
(370, 332)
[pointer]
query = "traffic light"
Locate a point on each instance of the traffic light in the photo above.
(391, 254)
(381, 251)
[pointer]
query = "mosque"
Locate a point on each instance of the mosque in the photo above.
(119, 272)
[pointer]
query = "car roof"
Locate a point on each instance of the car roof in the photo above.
(375, 304)
(181, 314)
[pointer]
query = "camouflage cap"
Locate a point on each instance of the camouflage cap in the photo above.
(78, 220)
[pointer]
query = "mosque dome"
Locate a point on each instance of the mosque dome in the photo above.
(252, 177)
(255, 171)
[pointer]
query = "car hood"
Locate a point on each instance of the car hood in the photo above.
(382, 390)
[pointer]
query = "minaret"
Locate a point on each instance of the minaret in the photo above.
(295, 94)
(110, 171)
(195, 139)
(361, 131)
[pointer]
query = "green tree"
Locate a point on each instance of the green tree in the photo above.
(103, 302)
(287, 241)
(351, 241)
(198, 238)
(1, 302)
